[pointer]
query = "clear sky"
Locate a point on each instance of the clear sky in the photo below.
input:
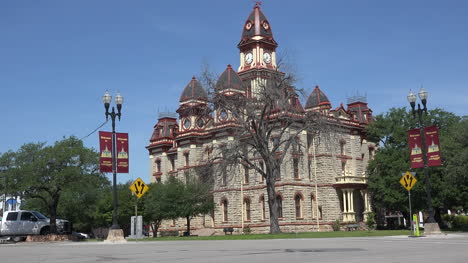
(57, 58)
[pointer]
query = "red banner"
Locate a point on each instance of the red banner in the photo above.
(415, 144)
(122, 152)
(105, 152)
(432, 146)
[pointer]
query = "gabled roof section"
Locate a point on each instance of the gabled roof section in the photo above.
(317, 98)
(257, 28)
(229, 80)
(194, 91)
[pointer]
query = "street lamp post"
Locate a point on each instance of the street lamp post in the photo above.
(118, 101)
(431, 223)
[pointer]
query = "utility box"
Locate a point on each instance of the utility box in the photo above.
(136, 231)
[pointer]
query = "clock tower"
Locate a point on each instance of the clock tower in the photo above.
(257, 46)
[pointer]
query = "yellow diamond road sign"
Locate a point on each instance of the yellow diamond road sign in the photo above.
(139, 187)
(408, 180)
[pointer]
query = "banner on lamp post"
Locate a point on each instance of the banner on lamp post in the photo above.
(432, 146)
(122, 152)
(105, 152)
(415, 144)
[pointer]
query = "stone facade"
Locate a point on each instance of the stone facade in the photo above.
(325, 183)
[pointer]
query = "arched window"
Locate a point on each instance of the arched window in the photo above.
(262, 206)
(247, 209)
(279, 201)
(297, 203)
(224, 205)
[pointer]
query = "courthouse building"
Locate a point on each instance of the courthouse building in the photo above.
(326, 183)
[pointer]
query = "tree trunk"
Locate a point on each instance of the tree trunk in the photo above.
(188, 225)
(272, 204)
(154, 228)
(53, 217)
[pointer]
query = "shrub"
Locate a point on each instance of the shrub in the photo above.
(247, 229)
(456, 222)
(336, 225)
(370, 221)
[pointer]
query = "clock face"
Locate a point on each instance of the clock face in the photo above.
(248, 58)
(267, 57)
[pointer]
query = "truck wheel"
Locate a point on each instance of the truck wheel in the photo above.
(18, 239)
(45, 230)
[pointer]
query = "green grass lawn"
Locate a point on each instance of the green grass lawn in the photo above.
(288, 235)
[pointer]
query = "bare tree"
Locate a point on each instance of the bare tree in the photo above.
(266, 121)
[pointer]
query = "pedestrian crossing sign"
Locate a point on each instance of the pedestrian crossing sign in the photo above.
(139, 187)
(408, 180)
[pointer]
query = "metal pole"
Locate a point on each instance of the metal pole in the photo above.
(411, 213)
(430, 209)
(115, 224)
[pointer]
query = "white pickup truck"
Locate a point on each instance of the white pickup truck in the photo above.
(23, 223)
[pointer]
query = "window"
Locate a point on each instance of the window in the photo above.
(246, 175)
(224, 204)
(262, 206)
(186, 123)
(343, 168)
(187, 159)
(320, 212)
(313, 206)
(247, 209)
(297, 203)
(279, 202)
(26, 216)
(172, 159)
(262, 167)
(296, 168)
(342, 147)
(12, 216)
(158, 166)
(276, 143)
(224, 177)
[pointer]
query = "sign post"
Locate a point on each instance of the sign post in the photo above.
(408, 180)
(139, 188)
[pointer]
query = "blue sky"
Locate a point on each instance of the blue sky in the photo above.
(57, 58)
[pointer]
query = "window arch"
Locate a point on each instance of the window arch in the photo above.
(224, 205)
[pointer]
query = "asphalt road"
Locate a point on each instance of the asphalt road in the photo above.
(448, 248)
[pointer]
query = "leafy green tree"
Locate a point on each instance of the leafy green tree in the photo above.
(157, 205)
(45, 173)
(392, 159)
(126, 207)
(196, 199)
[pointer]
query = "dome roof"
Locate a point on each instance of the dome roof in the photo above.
(257, 26)
(317, 98)
(193, 91)
(229, 80)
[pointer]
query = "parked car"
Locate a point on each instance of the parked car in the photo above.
(23, 223)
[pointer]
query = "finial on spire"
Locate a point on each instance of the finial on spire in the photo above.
(257, 4)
